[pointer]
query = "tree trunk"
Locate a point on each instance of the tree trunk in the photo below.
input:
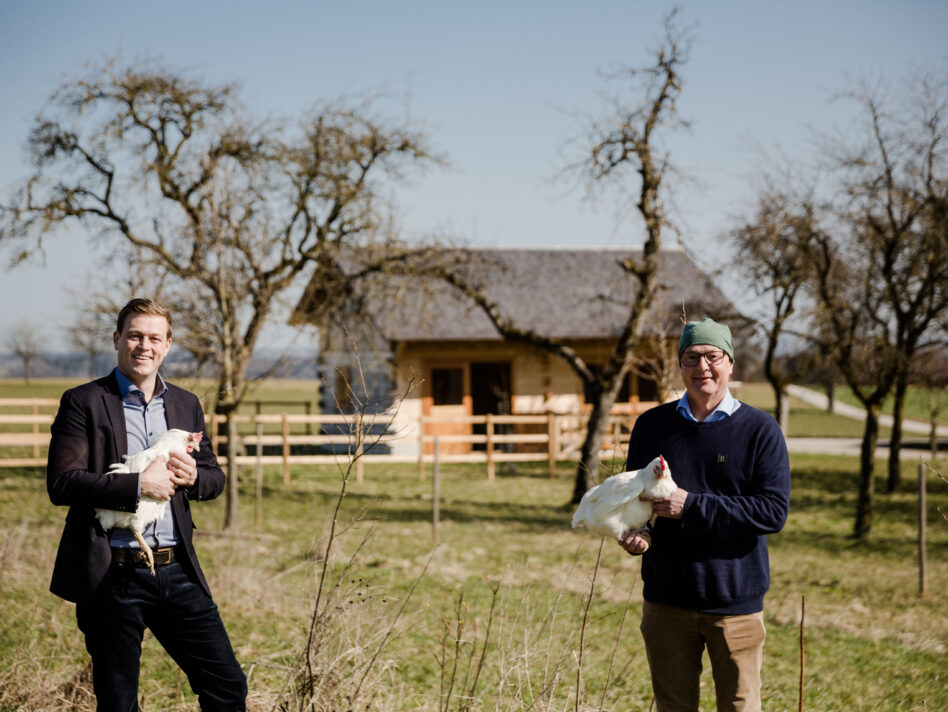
(775, 380)
(870, 436)
(781, 401)
(587, 473)
(895, 444)
(830, 388)
(783, 412)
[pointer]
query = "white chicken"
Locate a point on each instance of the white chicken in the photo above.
(623, 501)
(149, 510)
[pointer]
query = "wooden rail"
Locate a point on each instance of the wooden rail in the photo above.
(562, 438)
(14, 432)
(543, 437)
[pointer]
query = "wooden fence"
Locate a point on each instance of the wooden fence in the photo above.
(524, 438)
(28, 432)
(545, 437)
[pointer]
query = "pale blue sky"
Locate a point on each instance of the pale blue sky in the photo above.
(496, 85)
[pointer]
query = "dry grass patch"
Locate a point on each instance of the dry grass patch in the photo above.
(499, 604)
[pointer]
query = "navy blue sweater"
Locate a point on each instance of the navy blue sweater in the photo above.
(737, 475)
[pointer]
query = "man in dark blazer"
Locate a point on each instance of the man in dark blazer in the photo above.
(105, 573)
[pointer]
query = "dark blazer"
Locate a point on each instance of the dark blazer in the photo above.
(88, 435)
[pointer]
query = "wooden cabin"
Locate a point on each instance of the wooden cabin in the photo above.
(420, 344)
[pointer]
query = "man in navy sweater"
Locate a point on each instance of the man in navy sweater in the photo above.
(705, 566)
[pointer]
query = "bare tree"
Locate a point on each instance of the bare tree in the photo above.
(25, 340)
(849, 297)
(623, 149)
(895, 178)
(230, 211)
(874, 255)
(772, 245)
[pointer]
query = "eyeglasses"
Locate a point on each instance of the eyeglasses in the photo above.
(690, 358)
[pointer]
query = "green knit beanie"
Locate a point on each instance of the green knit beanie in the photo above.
(709, 332)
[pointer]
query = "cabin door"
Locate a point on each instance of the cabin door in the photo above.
(447, 388)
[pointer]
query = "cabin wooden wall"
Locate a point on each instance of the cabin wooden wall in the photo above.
(540, 382)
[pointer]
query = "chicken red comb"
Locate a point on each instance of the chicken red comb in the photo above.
(662, 461)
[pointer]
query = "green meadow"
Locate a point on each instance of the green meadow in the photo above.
(340, 598)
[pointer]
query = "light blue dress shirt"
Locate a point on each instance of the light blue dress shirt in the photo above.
(144, 424)
(726, 407)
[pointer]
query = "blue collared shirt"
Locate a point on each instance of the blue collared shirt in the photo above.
(726, 407)
(144, 424)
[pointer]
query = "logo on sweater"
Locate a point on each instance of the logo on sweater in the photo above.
(722, 459)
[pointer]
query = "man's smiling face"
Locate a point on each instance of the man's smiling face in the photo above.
(706, 383)
(142, 346)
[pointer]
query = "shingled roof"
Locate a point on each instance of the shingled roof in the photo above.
(559, 293)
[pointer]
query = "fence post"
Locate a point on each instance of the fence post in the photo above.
(358, 452)
(36, 431)
(552, 445)
(922, 533)
(489, 430)
(258, 510)
(421, 448)
(286, 450)
(435, 494)
(214, 437)
(802, 649)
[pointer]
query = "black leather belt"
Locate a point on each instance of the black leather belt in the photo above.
(137, 556)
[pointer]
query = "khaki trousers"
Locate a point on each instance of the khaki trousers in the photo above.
(675, 639)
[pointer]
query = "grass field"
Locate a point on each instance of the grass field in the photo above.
(806, 421)
(917, 403)
(498, 605)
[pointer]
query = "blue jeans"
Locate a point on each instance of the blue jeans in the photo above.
(182, 617)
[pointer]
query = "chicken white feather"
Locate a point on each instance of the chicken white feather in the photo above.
(149, 510)
(623, 501)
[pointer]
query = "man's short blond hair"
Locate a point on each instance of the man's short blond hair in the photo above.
(141, 305)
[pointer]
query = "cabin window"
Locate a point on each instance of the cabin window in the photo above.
(447, 386)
